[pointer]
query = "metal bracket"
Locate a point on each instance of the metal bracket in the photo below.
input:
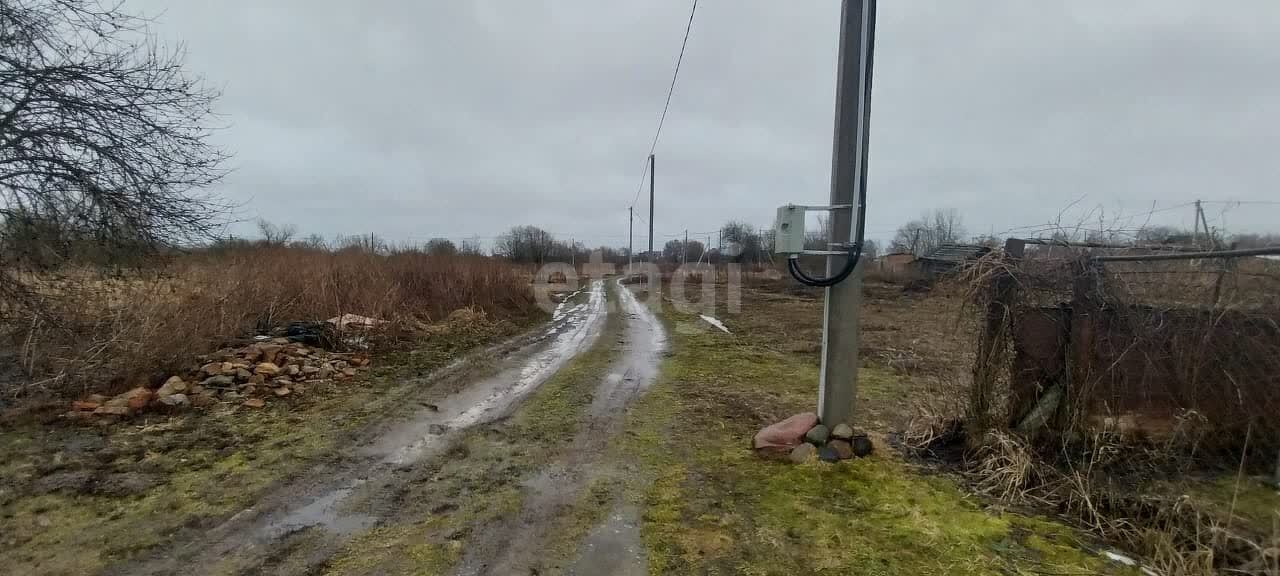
(823, 208)
(825, 252)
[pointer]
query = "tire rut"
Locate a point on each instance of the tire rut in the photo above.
(336, 500)
(518, 544)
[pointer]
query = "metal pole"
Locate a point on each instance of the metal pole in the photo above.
(652, 168)
(839, 374)
(1264, 251)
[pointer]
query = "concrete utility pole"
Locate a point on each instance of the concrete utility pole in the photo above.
(1195, 223)
(1213, 242)
(652, 168)
(631, 217)
(839, 376)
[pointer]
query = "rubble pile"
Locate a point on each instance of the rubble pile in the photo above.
(249, 376)
(801, 438)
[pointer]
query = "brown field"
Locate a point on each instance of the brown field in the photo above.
(93, 332)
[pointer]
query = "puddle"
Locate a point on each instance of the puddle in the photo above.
(643, 345)
(572, 331)
(613, 548)
(323, 511)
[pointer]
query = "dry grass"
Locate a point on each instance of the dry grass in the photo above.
(1108, 488)
(89, 332)
(1185, 350)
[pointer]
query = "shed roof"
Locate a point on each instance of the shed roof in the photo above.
(956, 253)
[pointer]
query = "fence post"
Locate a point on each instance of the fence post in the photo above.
(992, 341)
(1086, 324)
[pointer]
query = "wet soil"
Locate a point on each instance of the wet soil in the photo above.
(519, 543)
(354, 491)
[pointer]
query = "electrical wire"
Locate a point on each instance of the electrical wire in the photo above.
(858, 224)
(670, 89)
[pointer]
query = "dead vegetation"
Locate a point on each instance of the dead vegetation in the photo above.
(1173, 491)
(1114, 394)
(86, 331)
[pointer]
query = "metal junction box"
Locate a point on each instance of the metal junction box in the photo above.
(788, 228)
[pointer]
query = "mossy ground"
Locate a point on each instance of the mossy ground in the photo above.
(712, 507)
(75, 498)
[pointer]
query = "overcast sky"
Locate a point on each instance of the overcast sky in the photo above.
(460, 118)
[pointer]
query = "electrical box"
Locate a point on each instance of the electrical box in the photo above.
(788, 230)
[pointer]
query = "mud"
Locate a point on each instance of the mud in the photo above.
(613, 548)
(339, 499)
(518, 544)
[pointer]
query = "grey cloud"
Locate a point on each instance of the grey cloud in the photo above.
(416, 119)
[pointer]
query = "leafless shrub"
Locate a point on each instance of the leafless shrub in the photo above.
(1005, 467)
(1098, 486)
(88, 332)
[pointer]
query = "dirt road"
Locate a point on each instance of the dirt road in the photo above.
(517, 544)
(300, 524)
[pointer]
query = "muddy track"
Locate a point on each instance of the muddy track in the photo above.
(518, 544)
(352, 492)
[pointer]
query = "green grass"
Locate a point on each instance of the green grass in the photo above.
(1249, 503)
(712, 507)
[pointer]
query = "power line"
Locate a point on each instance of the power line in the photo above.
(670, 89)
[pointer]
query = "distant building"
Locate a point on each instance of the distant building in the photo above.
(948, 257)
(897, 263)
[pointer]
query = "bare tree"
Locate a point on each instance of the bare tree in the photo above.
(470, 248)
(931, 230)
(441, 247)
(313, 242)
(744, 244)
(671, 250)
(531, 244)
(101, 131)
(276, 234)
(693, 251)
(870, 249)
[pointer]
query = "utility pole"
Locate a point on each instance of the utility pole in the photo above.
(573, 253)
(684, 249)
(1195, 226)
(631, 217)
(652, 168)
(1213, 242)
(839, 374)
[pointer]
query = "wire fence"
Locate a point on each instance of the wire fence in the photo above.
(1174, 348)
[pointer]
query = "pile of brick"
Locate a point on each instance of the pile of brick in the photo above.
(248, 376)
